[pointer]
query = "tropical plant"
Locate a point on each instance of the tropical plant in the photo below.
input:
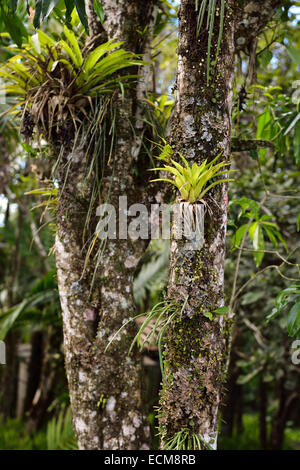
(210, 6)
(185, 440)
(258, 225)
(13, 436)
(191, 181)
(57, 80)
(13, 14)
(153, 274)
(60, 434)
(289, 297)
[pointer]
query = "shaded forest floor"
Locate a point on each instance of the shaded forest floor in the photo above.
(249, 438)
(13, 436)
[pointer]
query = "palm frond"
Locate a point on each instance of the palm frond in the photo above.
(151, 276)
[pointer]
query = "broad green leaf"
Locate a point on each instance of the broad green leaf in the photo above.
(99, 10)
(70, 52)
(8, 319)
(252, 229)
(70, 5)
(238, 236)
(221, 310)
(263, 125)
(266, 57)
(271, 236)
(99, 52)
(294, 55)
(74, 44)
(15, 27)
(208, 315)
(45, 39)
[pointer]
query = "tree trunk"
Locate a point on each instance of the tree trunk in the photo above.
(286, 403)
(232, 406)
(105, 388)
(195, 351)
(9, 378)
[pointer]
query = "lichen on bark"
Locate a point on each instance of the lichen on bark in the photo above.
(105, 388)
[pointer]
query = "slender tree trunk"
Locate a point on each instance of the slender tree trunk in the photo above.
(9, 385)
(196, 348)
(105, 388)
(233, 398)
(34, 368)
(263, 403)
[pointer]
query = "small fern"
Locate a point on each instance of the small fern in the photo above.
(60, 434)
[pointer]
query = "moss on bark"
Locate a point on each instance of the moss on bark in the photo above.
(195, 346)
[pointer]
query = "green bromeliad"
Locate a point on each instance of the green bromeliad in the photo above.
(193, 182)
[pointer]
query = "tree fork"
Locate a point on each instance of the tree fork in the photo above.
(105, 389)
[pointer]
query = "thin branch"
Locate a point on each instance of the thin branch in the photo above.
(272, 252)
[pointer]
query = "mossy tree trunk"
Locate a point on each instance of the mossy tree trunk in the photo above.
(105, 388)
(195, 350)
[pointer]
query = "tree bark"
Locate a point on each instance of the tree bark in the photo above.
(105, 388)
(196, 348)
(251, 18)
(263, 405)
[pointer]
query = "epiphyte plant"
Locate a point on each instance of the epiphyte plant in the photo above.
(55, 81)
(193, 181)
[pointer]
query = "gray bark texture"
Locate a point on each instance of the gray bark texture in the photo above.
(195, 347)
(105, 388)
